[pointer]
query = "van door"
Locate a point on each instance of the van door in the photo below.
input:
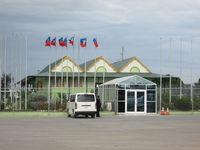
(86, 102)
(72, 104)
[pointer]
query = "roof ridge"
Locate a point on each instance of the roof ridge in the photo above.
(89, 63)
(123, 60)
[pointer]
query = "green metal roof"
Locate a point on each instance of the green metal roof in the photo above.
(119, 64)
(82, 66)
(88, 64)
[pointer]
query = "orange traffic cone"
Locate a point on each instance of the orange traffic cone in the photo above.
(162, 111)
(167, 112)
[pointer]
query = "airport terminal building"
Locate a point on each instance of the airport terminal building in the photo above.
(126, 86)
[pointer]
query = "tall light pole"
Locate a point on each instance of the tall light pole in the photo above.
(191, 88)
(180, 68)
(5, 70)
(160, 73)
(170, 77)
(26, 70)
(0, 67)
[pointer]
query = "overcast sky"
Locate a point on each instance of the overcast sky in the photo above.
(136, 25)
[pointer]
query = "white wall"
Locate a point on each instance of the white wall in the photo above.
(135, 63)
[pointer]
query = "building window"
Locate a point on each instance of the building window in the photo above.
(76, 82)
(101, 69)
(58, 83)
(67, 69)
(39, 85)
(134, 69)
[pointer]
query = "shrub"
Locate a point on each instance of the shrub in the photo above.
(104, 107)
(37, 102)
(183, 104)
(39, 98)
(196, 103)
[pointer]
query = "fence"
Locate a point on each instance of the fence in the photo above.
(184, 99)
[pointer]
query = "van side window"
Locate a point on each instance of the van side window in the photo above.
(72, 98)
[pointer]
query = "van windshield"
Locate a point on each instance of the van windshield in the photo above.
(85, 98)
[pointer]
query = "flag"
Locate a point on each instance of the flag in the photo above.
(61, 41)
(83, 42)
(95, 42)
(48, 41)
(65, 42)
(71, 41)
(53, 42)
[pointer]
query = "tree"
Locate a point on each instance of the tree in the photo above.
(8, 80)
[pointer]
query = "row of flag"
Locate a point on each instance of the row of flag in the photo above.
(64, 42)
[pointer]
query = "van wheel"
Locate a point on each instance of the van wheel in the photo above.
(86, 116)
(75, 116)
(69, 115)
(93, 115)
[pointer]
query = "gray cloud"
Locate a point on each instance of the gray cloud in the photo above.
(135, 24)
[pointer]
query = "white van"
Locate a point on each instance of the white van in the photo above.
(82, 104)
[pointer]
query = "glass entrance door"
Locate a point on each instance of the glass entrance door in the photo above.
(140, 102)
(136, 101)
(130, 101)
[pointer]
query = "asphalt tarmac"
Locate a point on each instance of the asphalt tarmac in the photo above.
(178, 132)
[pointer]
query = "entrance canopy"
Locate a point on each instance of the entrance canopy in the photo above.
(130, 94)
(130, 80)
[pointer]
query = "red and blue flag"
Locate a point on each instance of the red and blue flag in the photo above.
(48, 41)
(61, 41)
(53, 42)
(95, 42)
(83, 42)
(71, 41)
(65, 42)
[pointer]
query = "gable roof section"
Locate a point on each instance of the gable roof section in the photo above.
(57, 63)
(120, 65)
(91, 63)
(88, 63)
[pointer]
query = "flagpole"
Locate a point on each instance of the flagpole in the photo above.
(191, 88)
(95, 75)
(26, 70)
(170, 77)
(160, 73)
(55, 78)
(16, 68)
(73, 69)
(103, 80)
(5, 49)
(20, 73)
(95, 69)
(85, 76)
(0, 68)
(49, 82)
(67, 77)
(62, 77)
(49, 85)
(67, 84)
(79, 65)
(180, 68)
